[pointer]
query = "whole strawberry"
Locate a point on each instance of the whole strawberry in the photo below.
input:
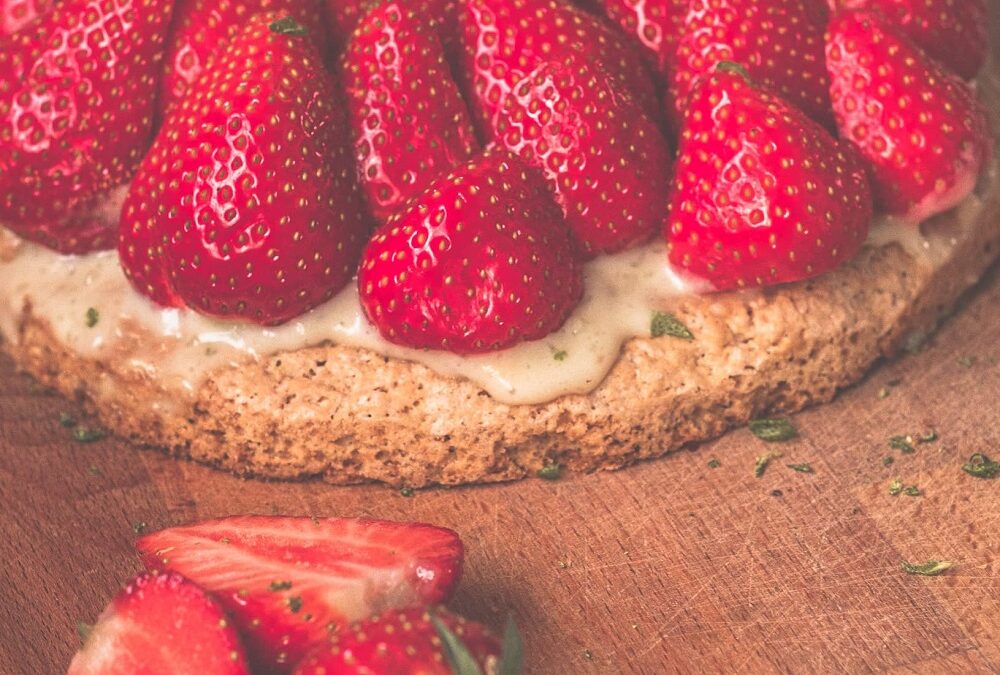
(505, 40)
(16, 14)
(246, 206)
(779, 42)
(480, 261)
(409, 121)
(203, 27)
(921, 129)
(763, 194)
(157, 624)
(343, 17)
(418, 641)
(952, 31)
(607, 164)
(77, 90)
(656, 25)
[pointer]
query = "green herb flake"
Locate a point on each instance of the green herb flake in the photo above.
(550, 471)
(83, 629)
(278, 586)
(760, 465)
(929, 437)
(461, 660)
(664, 323)
(287, 26)
(931, 568)
(714, 463)
(560, 355)
(966, 361)
(295, 604)
(406, 491)
(512, 650)
(139, 527)
(773, 430)
(912, 491)
(801, 468)
(902, 443)
(82, 434)
(888, 460)
(895, 487)
(67, 420)
(981, 466)
(92, 317)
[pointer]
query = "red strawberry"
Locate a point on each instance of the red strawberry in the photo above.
(289, 583)
(778, 41)
(763, 194)
(952, 31)
(921, 129)
(606, 162)
(656, 24)
(344, 16)
(410, 122)
(405, 643)
(505, 40)
(76, 103)
(16, 14)
(246, 205)
(161, 623)
(480, 261)
(203, 27)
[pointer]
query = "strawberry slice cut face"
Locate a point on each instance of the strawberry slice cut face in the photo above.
(291, 582)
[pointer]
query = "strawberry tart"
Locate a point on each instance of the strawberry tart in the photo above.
(447, 241)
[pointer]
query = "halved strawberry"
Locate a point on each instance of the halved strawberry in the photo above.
(202, 28)
(247, 204)
(161, 623)
(505, 40)
(952, 31)
(606, 162)
(779, 43)
(407, 642)
(290, 583)
(410, 123)
(16, 14)
(763, 194)
(480, 261)
(77, 93)
(923, 132)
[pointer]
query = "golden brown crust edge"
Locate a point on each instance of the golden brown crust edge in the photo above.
(349, 415)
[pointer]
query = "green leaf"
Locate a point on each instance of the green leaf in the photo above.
(760, 465)
(773, 430)
(931, 568)
(981, 466)
(461, 660)
(287, 26)
(550, 471)
(801, 468)
(93, 316)
(512, 654)
(664, 323)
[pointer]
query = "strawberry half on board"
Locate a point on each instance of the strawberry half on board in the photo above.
(77, 94)
(480, 261)
(409, 120)
(247, 204)
(605, 161)
(290, 583)
(203, 27)
(952, 31)
(763, 194)
(159, 624)
(924, 134)
(417, 641)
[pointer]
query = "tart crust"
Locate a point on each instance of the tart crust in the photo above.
(348, 415)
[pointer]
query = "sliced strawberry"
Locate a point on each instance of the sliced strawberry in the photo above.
(505, 40)
(291, 582)
(16, 14)
(247, 205)
(606, 162)
(657, 25)
(409, 120)
(202, 28)
(161, 623)
(480, 261)
(75, 120)
(778, 41)
(404, 643)
(952, 31)
(763, 194)
(923, 132)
